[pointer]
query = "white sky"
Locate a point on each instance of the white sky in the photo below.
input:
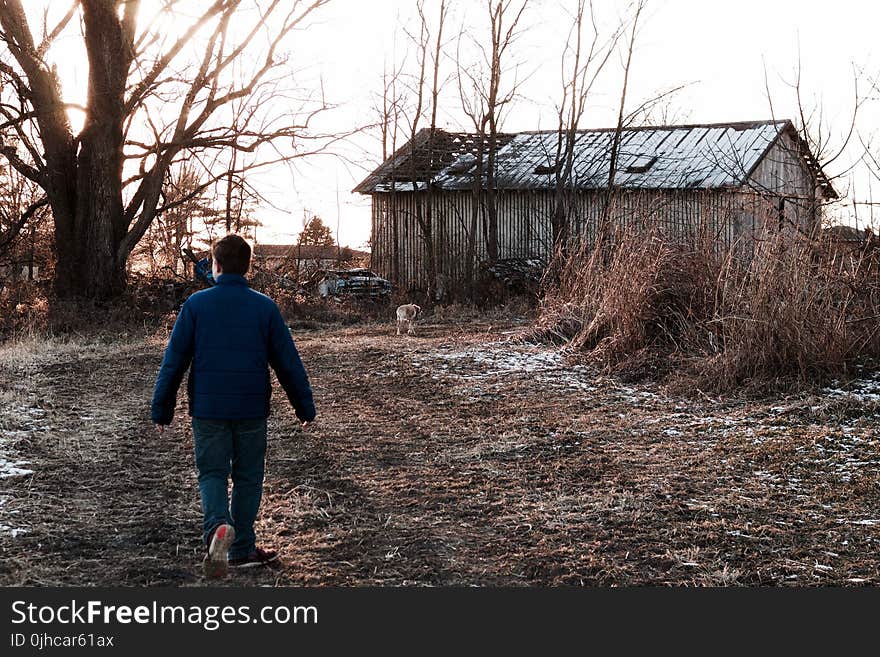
(719, 47)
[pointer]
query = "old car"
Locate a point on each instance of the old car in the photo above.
(352, 282)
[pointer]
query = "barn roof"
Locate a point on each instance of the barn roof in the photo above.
(420, 160)
(713, 156)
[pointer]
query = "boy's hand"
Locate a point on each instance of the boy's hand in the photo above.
(306, 425)
(160, 428)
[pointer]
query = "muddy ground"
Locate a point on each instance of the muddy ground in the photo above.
(456, 457)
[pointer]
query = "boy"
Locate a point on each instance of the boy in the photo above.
(231, 334)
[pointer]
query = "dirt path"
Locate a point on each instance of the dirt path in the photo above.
(452, 458)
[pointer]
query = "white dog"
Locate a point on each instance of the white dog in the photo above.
(407, 314)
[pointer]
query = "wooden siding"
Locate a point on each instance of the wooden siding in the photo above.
(782, 178)
(524, 229)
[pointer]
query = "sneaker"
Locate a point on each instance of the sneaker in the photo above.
(259, 557)
(216, 561)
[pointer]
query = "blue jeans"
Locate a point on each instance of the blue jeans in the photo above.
(237, 447)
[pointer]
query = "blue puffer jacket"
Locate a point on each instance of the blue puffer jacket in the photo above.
(231, 334)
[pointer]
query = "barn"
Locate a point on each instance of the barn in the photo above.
(439, 210)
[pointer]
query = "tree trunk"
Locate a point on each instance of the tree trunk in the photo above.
(492, 227)
(491, 200)
(87, 245)
(94, 267)
(395, 236)
(560, 221)
(477, 191)
(424, 217)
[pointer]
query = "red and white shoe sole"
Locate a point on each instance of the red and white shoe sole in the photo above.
(217, 563)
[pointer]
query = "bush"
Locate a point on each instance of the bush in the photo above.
(307, 311)
(796, 309)
(31, 309)
(23, 308)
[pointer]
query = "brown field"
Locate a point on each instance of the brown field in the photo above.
(456, 457)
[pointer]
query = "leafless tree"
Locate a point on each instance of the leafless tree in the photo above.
(485, 96)
(602, 228)
(426, 219)
(146, 107)
(389, 108)
(474, 108)
(837, 148)
(389, 105)
(585, 56)
(22, 207)
(428, 49)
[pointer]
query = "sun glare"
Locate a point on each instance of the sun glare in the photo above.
(77, 118)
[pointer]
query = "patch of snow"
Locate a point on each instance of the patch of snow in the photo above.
(506, 359)
(726, 421)
(7, 529)
(573, 384)
(844, 455)
(12, 531)
(859, 390)
(13, 469)
(8, 466)
(498, 358)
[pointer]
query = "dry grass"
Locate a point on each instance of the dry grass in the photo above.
(515, 309)
(455, 457)
(797, 311)
(30, 312)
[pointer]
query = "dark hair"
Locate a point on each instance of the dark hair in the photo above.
(233, 255)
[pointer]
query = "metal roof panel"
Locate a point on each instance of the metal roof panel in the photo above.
(672, 157)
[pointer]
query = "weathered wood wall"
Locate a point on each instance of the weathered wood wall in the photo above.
(783, 179)
(730, 217)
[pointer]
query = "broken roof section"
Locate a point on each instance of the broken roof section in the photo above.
(418, 162)
(668, 157)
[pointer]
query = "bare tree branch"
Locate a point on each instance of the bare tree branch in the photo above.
(9, 235)
(140, 90)
(49, 38)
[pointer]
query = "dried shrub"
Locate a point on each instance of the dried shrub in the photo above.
(792, 310)
(798, 309)
(31, 310)
(309, 311)
(636, 297)
(23, 308)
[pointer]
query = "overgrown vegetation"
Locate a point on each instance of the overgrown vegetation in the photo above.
(29, 310)
(775, 310)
